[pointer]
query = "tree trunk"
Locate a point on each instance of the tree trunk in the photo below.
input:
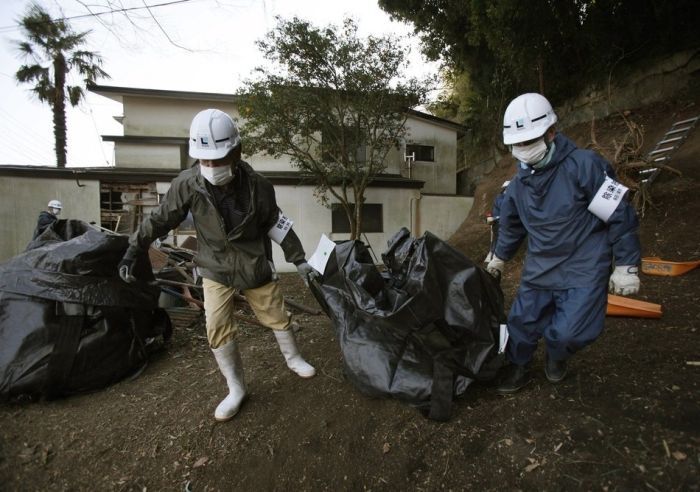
(59, 111)
(358, 217)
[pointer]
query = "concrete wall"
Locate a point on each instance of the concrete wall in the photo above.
(21, 200)
(441, 215)
(652, 81)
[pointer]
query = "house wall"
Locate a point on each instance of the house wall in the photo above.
(440, 175)
(21, 200)
(401, 208)
(313, 219)
(151, 156)
(162, 117)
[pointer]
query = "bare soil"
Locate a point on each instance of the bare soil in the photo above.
(626, 418)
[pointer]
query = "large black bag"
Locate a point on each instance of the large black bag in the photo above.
(423, 330)
(68, 323)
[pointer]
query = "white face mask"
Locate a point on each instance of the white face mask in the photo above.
(217, 176)
(56, 211)
(530, 154)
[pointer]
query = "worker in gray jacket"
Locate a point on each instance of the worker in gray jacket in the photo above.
(236, 217)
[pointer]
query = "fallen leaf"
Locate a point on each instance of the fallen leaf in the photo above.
(532, 466)
(679, 455)
(509, 442)
(386, 448)
(200, 462)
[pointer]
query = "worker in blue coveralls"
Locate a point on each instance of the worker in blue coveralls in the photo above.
(577, 222)
(492, 220)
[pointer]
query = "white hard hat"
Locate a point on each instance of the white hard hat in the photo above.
(55, 204)
(527, 117)
(212, 135)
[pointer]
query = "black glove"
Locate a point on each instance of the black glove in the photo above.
(126, 266)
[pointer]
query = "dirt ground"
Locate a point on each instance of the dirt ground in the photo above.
(626, 418)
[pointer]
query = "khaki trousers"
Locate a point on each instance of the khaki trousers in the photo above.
(267, 303)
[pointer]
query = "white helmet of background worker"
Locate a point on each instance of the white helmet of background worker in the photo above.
(527, 117)
(55, 207)
(212, 135)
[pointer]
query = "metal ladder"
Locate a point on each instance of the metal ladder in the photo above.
(665, 148)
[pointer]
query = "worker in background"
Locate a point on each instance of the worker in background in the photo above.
(566, 203)
(47, 217)
(236, 217)
(492, 220)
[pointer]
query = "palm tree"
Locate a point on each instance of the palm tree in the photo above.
(54, 50)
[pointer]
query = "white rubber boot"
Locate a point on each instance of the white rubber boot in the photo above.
(288, 347)
(229, 360)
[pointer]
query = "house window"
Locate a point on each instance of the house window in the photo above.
(425, 153)
(372, 220)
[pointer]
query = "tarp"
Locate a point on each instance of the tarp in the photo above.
(421, 331)
(68, 323)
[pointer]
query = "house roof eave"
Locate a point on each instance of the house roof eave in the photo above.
(134, 175)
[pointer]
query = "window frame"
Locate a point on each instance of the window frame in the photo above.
(341, 225)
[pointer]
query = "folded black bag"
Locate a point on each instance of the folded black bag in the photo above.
(68, 323)
(423, 330)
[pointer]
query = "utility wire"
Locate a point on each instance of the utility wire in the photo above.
(106, 12)
(9, 142)
(28, 153)
(22, 138)
(97, 132)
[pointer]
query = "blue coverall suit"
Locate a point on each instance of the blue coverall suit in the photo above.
(563, 289)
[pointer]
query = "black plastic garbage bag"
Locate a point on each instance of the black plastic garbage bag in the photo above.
(423, 330)
(68, 323)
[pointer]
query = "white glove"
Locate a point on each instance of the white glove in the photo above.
(624, 280)
(495, 266)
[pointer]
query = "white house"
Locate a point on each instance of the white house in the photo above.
(417, 193)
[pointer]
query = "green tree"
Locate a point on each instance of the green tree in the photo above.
(54, 51)
(507, 47)
(334, 103)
